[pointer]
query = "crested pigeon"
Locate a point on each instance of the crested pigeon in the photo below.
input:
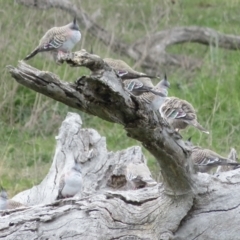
(6, 203)
(205, 159)
(158, 93)
(146, 91)
(58, 39)
(70, 182)
(179, 114)
(139, 176)
(124, 71)
(140, 87)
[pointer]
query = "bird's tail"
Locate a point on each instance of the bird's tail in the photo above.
(129, 75)
(200, 127)
(157, 93)
(149, 76)
(222, 162)
(32, 54)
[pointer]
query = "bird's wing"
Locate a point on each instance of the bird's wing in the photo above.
(53, 39)
(175, 113)
(55, 42)
(210, 158)
(134, 85)
(175, 108)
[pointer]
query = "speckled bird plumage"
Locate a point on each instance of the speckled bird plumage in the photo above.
(162, 91)
(205, 159)
(58, 39)
(123, 70)
(180, 114)
(141, 87)
(135, 85)
(70, 182)
(13, 204)
(6, 203)
(146, 91)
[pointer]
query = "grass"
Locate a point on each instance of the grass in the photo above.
(30, 121)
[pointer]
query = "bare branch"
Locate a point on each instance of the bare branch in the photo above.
(202, 35)
(102, 94)
(132, 51)
(151, 51)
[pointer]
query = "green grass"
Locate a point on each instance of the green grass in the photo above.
(29, 121)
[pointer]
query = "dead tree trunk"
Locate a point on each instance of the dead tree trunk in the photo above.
(185, 206)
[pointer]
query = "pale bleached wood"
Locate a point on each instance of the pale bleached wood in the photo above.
(167, 211)
(100, 169)
(103, 212)
(102, 94)
(214, 214)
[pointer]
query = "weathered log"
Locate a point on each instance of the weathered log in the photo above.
(102, 205)
(100, 169)
(104, 212)
(184, 206)
(102, 94)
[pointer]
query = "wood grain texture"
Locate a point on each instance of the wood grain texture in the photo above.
(104, 212)
(102, 94)
(185, 206)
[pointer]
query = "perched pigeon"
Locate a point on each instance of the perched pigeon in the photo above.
(6, 203)
(124, 71)
(179, 114)
(158, 93)
(205, 159)
(70, 182)
(58, 39)
(142, 87)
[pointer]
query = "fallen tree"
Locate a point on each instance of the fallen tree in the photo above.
(185, 206)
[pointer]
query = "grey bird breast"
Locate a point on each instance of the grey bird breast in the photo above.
(75, 37)
(73, 184)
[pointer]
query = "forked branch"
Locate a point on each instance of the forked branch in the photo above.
(102, 94)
